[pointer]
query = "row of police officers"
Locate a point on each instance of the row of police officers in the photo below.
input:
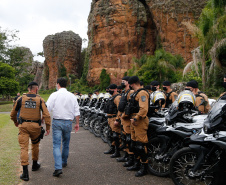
(128, 114)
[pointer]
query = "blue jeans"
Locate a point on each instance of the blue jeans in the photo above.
(61, 129)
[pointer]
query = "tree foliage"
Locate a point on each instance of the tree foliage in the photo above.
(104, 79)
(8, 84)
(161, 66)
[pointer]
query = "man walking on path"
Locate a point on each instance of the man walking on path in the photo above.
(64, 108)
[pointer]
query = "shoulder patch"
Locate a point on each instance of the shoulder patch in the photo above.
(143, 98)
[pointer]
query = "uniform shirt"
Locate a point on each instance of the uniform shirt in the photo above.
(116, 102)
(223, 94)
(31, 114)
(143, 98)
(63, 105)
(202, 108)
(172, 97)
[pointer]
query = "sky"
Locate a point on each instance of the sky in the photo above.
(36, 19)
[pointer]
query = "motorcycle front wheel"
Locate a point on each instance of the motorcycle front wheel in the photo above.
(181, 166)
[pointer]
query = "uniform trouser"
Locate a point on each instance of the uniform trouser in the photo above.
(126, 127)
(28, 130)
(114, 128)
(139, 136)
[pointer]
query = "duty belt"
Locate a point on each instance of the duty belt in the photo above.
(111, 116)
(20, 121)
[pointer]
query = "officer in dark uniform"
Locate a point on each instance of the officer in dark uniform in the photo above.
(30, 105)
(112, 110)
(125, 122)
(170, 95)
(138, 109)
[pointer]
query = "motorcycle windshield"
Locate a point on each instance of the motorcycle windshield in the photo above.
(214, 117)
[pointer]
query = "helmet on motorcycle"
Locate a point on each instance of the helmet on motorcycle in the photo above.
(158, 98)
(186, 99)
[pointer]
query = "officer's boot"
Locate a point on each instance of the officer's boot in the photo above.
(35, 166)
(130, 162)
(111, 150)
(136, 165)
(117, 152)
(116, 139)
(124, 158)
(143, 170)
(25, 176)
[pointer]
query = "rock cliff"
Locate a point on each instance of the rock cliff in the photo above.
(62, 53)
(119, 30)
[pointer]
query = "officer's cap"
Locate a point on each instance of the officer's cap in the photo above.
(154, 83)
(32, 83)
(112, 86)
(225, 76)
(96, 90)
(193, 84)
(141, 83)
(166, 83)
(126, 78)
(133, 79)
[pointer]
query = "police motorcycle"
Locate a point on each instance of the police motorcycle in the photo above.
(89, 112)
(156, 113)
(96, 112)
(83, 107)
(101, 118)
(181, 122)
(204, 161)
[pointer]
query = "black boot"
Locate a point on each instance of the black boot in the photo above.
(35, 166)
(111, 150)
(123, 158)
(130, 162)
(136, 165)
(117, 153)
(143, 170)
(24, 176)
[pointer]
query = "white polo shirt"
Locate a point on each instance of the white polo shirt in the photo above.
(63, 105)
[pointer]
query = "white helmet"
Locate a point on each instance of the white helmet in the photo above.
(186, 97)
(107, 95)
(101, 95)
(94, 96)
(158, 97)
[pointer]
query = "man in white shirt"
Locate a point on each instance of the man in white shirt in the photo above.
(64, 108)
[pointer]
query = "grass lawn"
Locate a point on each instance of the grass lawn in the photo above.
(6, 107)
(10, 151)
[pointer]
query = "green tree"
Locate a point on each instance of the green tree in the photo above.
(8, 84)
(104, 79)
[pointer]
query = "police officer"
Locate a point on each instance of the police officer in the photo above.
(154, 86)
(201, 101)
(30, 105)
(148, 87)
(125, 121)
(138, 109)
(112, 111)
(170, 95)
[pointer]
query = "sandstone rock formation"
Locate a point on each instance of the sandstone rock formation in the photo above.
(37, 70)
(62, 52)
(122, 29)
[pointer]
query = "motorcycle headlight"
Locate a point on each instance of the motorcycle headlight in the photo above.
(205, 128)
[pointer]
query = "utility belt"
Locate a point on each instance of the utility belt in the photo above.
(20, 121)
(111, 116)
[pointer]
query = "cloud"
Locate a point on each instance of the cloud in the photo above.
(36, 19)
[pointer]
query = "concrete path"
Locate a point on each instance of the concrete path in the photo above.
(86, 165)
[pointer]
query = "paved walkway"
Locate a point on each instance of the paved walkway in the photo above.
(86, 165)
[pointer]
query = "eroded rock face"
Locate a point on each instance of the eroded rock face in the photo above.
(37, 70)
(62, 53)
(122, 29)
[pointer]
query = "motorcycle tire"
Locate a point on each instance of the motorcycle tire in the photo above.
(85, 124)
(104, 129)
(158, 167)
(96, 127)
(183, 161)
